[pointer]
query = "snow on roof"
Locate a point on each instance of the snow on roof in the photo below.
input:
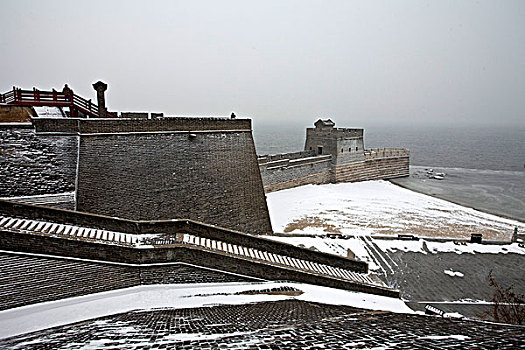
(54, 313)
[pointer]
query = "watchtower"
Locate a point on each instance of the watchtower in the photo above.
(343, 144)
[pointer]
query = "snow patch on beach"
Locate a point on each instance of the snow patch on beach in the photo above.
(379, 207)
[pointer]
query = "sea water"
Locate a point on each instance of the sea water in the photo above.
(484, 167)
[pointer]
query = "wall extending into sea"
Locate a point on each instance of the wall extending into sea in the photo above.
(288, 170)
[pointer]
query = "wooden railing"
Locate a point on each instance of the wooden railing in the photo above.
(55, 98)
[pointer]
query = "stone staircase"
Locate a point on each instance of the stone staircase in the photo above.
(68, 231)
(277, 259)
(289, 263)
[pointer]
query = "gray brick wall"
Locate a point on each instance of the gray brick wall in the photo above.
(211, 177)
(32, 165)
(28, 279)
(282, 174)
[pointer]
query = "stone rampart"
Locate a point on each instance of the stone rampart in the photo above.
(379, 164)
(290, 170)
(30, 279)
(285, 156)
(207, 176)
(372, 169)
(121, 125)
(200, 258)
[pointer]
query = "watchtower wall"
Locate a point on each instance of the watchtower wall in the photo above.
(332, 155)
(345, 145)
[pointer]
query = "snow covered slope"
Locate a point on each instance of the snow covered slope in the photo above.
(379, 208)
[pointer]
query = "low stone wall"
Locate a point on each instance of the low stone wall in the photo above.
(181, 273)
(284, 171)
(290, 170)
(29, 279)
(221, 263)
(372, 169)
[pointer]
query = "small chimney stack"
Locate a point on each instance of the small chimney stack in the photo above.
(100, 87)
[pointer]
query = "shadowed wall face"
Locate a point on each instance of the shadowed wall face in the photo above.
(208, 176)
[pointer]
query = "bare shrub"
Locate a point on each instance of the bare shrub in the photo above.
(507, 305)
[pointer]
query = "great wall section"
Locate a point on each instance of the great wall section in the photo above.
(332, 155)
(103, 201)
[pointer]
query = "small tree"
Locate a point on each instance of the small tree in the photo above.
(507, 305)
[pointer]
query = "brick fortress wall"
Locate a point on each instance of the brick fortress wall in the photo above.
(289, 170)
(203, 169)
(218, 152)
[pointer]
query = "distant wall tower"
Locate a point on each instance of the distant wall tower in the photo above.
(343, 144)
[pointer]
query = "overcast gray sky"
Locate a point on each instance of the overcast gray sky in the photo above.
(359, 62)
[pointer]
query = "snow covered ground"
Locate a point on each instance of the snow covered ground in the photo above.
(50, 314)
(379, 208)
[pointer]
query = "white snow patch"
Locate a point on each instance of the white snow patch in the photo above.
(392, 245)
(453, 273)
(48, 112)
(451, 336)
(342, 297)
(472, 248)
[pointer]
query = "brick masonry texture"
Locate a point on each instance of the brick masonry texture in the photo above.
(286, 324)
(31, 164)
(212, 177)
(372, 169)
(332, 155)
(16, 114)
(279, 175)
(27, 279)
(101, 126)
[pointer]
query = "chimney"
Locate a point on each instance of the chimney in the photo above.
(101, 87)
